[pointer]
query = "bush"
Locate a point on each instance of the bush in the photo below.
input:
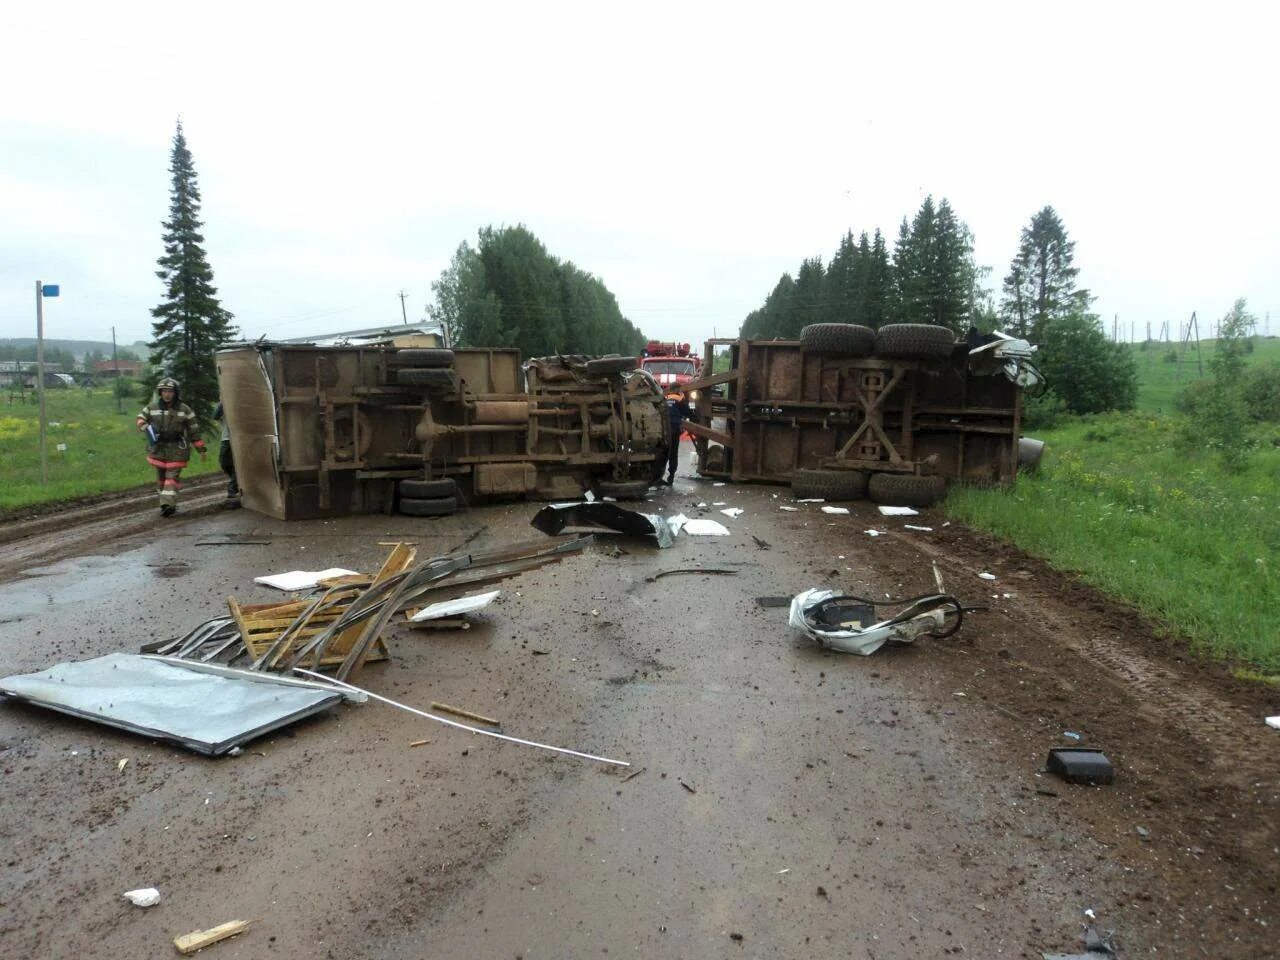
(1089, 372)
(1044, 412)
(1260, 390)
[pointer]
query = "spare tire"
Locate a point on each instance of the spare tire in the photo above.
(431, 377)
(622, 490)
(606, 366)
(851, 339)
(912, 341)
(428, 489)
(437, 507)
(425, 357)
(829, 484)
(906, 489)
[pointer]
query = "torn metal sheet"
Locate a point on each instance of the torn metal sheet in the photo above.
(554, 518)
(846, 625)
(455, 608)
(705, 528)
(205, 708)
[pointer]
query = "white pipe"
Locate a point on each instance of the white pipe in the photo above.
(461, 726)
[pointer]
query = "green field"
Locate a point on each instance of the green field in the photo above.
(1160, 379)
(1160, 526)
(104, 450)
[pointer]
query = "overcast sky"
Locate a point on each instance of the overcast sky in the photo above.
(686, 154)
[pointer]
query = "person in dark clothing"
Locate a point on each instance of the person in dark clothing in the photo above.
(172, 430)
(678, 411)
(225, 461)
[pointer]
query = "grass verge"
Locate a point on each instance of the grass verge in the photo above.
(103, 450)
(1163, 528)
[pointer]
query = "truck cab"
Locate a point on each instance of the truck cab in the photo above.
(672, 364)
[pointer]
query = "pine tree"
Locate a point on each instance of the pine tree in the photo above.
(934, 272)
(1041, 284)
(878, 293)
(190, 323)
(840, 289)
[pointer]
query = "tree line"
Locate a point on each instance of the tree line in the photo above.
(508, 290)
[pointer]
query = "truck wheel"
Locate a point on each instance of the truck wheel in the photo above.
(842, 338)
(428, 489)
(425, 357)
(913, 341)
(430, 377)
(437, 507)
(1030, 451)
(606, 366)
(624, 490)
(906, 490)
(829, 484)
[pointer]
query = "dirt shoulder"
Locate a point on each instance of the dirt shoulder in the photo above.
(889, 806)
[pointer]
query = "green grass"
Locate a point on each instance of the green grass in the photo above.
(104, 451)
(1160, 380)
(1164, 528)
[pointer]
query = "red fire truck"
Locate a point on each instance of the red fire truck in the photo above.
(671, 363)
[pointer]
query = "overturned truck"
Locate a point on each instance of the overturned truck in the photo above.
(328, 430)
(847, 412)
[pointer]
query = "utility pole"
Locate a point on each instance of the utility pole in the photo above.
(1148, 331)
(404, 313)
(115, 362)
(42, 291)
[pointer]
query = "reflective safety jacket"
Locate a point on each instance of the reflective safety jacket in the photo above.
(176, 432)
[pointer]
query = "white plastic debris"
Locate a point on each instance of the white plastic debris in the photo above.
(912, 526)
(302, 579)
(835, 509)
(789, 509)
(733, 512)
(700, 505)
(872, 533)
(717, 484)
(705, 528)
(987, 576)
(677, 523)
(719, 503)
(455, 608)
(144, 897)
(1274, 722)
(811, 500)
(589, 496)
(898, 512)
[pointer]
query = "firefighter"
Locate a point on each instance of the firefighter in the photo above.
(225, 460)
(678, 411)
(171, 429)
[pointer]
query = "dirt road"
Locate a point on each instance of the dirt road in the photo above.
(881, 807)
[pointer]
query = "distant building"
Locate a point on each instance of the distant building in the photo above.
(118, 368)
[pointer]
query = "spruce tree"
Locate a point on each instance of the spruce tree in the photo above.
(190, 323)
(1041, 284)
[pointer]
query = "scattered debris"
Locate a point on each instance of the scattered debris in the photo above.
(556, 517)
(987, 576)
(633, 774)
(199, 939)
(296, 580)
(886, 511)
(788, 509)
(1081, 765)
(760, 544)
(847, 624)
(464, 714)
(872, 533)
(733, 512)
(720, 571)
(811, 500)
(688, 786)
(1072, 735)
(124, 762)
(455, 608)
(1274, 722)
(144, 897)
(204, 707)
(418, 743)
(837, 510)
(453, 723)
(705, 528)
(1142, 832)
(912, 526)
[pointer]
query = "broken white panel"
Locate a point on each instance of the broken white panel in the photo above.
(835, 509)
(455, 608)
(1274, 722)
(733, 512)
(872, 533)
(705, 528)
(677, 523)
(866, 641)
(987, 576)
(912, 526)
(898, 512)
(302, 579)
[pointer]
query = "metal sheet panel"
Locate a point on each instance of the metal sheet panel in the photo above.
(204, 711)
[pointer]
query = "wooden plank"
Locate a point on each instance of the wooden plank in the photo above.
(199, 939)
(693, 428)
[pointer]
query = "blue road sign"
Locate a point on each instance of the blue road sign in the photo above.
(50, 290)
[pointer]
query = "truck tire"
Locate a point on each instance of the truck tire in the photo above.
(436, 507)
(622, 490)
(906, 489)
(428, 489)
(829, 484)
(851, 339)
(433, 357)
(606, 366)
(914, 341)
(428, 377)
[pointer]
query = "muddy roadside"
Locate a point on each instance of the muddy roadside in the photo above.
(781, 800)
